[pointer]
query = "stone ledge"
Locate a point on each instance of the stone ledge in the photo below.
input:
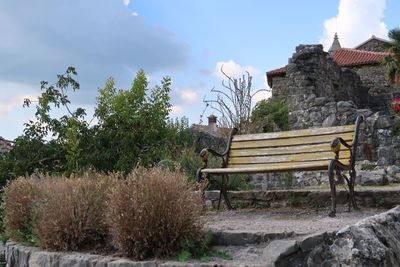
(386, 197)
(22, 256)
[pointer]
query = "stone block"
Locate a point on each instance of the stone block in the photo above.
(311, 241)
(372, 177)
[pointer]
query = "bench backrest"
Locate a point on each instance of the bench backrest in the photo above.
(308, 147)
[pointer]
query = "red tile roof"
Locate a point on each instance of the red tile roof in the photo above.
(277, 72)
(344, 57)
(353, 57)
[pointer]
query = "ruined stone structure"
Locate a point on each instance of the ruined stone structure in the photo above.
(326, 89)
(5, 145)
(210, 135)
(323, 89)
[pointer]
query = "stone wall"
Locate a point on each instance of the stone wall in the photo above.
(207, 140)
(319, 93)
(380, 92)
(5, 145)
(280, 89)
(373, 45)
(22, 256)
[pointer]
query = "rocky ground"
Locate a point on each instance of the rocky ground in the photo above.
(258, 237)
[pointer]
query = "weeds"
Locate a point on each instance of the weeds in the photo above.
(199, 250)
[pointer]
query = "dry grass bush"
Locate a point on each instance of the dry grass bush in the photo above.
(19, 199)
(153, 212)
(59, 213)
(73, 211)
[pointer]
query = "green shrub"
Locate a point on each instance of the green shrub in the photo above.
(152, 212)
(199, 250)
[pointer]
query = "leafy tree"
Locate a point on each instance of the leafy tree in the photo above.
(32, 152)
(392, 62)
(132, 125)
(133, 128)
(270, 115)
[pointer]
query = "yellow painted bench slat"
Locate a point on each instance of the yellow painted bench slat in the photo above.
(270, 151)
(275, 167)
(291, 141)
(287, 158)
(295, 133)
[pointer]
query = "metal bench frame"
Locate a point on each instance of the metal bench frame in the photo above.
(335, 168)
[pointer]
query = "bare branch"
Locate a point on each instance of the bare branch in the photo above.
(234, 101)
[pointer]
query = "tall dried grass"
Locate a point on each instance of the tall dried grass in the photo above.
(73, 211)
(19, 200)
(153, 212)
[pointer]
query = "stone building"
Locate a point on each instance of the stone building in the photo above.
(5, 145)
(210, 135)
(326, 89)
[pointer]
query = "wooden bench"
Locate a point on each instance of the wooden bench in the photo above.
(331, 148)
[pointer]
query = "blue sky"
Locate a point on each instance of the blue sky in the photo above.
(187, 40)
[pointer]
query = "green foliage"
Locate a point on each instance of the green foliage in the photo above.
(380, 202)
(289, 179)
(293, 202)
(133, 128)
(367, 166)
(199, 250)
(270, 115)
(392, 62)
(132, 124)
(314, 204)
(396, 127)
(3, 235)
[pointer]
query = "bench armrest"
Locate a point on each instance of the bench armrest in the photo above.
(336, 144)
(204, 153)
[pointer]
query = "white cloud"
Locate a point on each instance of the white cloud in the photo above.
(126, 2)
(259, 81)
(261, 96)
(101, 45)
(355, 22)
(233, 69)
(188, 96)
(15, 98)
(176, 109)
(135, 14)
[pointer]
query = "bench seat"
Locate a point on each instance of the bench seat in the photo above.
(319, 165)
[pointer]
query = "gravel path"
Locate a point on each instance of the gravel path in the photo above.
(300, 221)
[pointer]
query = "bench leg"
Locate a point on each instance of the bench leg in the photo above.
(351, 189)
(331, 176)
(223, 192)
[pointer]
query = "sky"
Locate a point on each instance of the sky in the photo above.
(186, 40)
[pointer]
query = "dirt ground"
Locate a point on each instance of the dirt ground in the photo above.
(301, 221)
